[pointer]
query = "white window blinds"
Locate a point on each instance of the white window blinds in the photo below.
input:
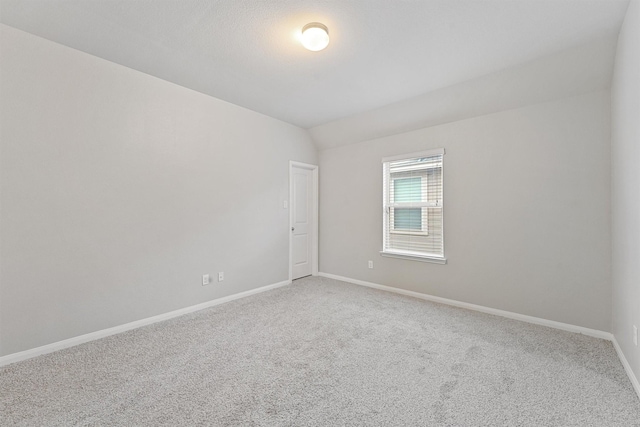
(413, 220)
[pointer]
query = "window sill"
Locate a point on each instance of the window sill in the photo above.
(414, 257)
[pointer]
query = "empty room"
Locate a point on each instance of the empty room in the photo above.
(319, 213)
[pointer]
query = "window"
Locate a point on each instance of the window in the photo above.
(407, 190)
(413, 219)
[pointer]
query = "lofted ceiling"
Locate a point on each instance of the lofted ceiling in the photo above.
(381, 52)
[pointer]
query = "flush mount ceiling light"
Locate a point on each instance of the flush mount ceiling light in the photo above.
(315, 36)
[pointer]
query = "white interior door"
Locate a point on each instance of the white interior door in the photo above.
(302, 221)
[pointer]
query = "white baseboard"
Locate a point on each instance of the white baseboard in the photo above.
(509, 314)
(627, 367)
(49, 348)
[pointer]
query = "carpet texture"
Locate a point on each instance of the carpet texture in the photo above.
(326, 353)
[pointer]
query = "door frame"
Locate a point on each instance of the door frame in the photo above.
(314, 216)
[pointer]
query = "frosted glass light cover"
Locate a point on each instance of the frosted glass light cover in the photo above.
(315, 36)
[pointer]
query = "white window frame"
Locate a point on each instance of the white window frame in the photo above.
(387, 182)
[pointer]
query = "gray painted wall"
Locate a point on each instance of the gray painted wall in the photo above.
(526, 211)
(119, 190)
(625, 156)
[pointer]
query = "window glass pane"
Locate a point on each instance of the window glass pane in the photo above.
(407, 189)
(409, 219)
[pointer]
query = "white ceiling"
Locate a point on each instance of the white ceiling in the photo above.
(568, 73)
(381, 51)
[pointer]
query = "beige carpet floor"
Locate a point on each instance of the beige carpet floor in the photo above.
(326, 353)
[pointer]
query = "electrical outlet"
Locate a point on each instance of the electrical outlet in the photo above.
(221, 276)
(635, 335)
(205, 279)
(285, 204)
(370, 264)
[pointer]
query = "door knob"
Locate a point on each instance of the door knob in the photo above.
(293, 229)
